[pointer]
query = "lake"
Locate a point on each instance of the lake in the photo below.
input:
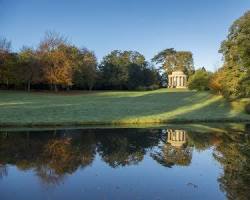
(172, 162)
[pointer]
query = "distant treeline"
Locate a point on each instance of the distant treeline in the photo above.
(56, 64)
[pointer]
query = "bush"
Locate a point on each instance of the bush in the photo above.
(247, 108)
(199, 80)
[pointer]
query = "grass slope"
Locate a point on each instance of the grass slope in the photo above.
(160, 106)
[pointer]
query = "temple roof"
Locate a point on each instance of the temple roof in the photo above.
(178, 72)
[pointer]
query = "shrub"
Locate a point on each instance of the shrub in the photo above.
(199, 80)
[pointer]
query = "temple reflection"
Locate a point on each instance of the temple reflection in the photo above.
(177, 138)
(173, 149)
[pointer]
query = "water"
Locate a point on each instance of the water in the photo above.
(143, 163)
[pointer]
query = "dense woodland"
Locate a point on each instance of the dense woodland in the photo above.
(56, 64)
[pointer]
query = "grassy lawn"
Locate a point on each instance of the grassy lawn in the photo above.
(76, 108)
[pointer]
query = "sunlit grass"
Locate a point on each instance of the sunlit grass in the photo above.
(76, 108)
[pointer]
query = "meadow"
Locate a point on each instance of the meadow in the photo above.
(117, 107)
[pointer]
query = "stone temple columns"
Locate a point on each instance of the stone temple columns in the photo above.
(177, 80)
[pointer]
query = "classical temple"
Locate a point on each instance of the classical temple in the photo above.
(177, 80)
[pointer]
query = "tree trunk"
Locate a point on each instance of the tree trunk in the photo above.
(7, 84)
(28, 86)
(90, 87)
(55, 87)
(51, 86)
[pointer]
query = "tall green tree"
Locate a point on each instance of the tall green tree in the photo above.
(29, 67)
(199, 80)
(115, 68)
(172, 60)
(236, 53)
(85, 72)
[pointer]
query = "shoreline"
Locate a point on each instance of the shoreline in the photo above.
(119, 124)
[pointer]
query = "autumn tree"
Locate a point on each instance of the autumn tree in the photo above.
(215, 82)
(57, 65)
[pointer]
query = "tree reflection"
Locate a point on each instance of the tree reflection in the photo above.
(126, 148)
(61, 155)
(48, 175)
(53, 155)
(3, 171)
(234, 155)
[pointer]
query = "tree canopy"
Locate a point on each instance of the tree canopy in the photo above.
(127, 70)
(235, 73)
(199, 80)
(172, 60)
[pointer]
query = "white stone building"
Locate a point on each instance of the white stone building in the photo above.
(177, 80)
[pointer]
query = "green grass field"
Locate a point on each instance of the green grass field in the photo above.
(81, 108)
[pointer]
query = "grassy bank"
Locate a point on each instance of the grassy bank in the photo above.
(79, 108)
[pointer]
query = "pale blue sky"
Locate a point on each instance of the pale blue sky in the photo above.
(147, 26)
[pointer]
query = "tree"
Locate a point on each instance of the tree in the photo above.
(85, 72)
(115, 68)
(236, 54)
(8, 62)
(215, 83)
(5, 45)
(56, 62)
(29, 67)
(51, 41)
(199, 80)
(172, 60)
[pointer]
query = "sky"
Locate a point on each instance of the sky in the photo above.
(146, 26)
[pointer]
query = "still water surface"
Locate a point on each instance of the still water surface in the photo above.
(152, 163)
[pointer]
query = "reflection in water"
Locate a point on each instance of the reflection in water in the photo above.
(173, 149)
(3, 171)
(54, 155)
(176, 138)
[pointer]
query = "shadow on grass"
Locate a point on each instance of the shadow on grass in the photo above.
(121, 108)
(184, 106)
